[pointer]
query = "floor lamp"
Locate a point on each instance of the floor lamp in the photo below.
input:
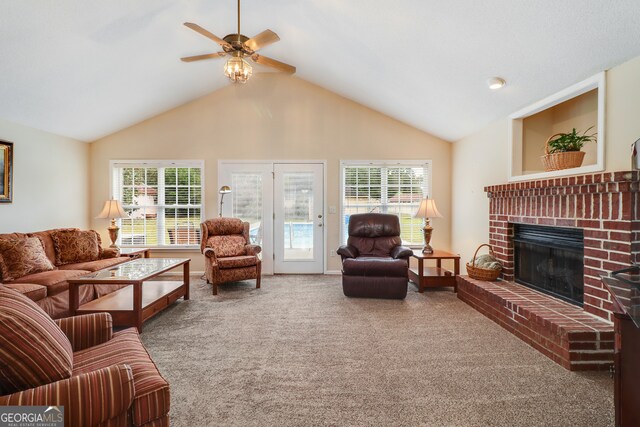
(225, 189)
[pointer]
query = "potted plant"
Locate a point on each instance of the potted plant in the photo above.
(562, 150)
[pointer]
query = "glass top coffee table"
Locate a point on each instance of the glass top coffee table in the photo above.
(132, 305)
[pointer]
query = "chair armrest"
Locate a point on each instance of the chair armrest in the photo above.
(109, 253)
(252, 249)
(348, 251)
(401, 252)
(87, 330)
(210, 253)
(89, 399)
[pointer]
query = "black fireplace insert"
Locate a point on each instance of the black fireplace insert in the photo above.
(550, 260)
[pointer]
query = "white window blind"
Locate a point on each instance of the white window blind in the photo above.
(386, 188)
(164, 200)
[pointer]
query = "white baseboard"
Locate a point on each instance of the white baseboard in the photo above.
(333, 272)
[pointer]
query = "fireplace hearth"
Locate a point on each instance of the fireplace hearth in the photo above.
(550, 260)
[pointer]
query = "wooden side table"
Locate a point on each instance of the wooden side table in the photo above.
(134, 253)
(433, 277)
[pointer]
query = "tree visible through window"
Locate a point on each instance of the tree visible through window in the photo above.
(163, 200)
(395, 189)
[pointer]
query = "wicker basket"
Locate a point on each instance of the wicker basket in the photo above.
(482, 273)
(562, 160)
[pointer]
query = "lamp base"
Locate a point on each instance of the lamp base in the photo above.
(113, 234)
(427, 230)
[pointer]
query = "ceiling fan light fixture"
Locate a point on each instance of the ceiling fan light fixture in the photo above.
(496, 83)
(238, 70)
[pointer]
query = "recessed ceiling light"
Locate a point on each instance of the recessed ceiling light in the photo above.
(496, 83)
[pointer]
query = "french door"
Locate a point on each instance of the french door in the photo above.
(284, 205)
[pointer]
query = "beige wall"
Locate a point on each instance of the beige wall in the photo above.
(50, 187)
(480, 159)
(277, 118)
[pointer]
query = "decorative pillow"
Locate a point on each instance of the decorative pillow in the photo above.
(33, 349)
(20, 257)
(227, 245)
(73, 245)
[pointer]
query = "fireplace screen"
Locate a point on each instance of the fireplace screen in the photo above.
(550, 259)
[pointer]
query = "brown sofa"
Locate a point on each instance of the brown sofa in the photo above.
(50, 289)
(374, 262)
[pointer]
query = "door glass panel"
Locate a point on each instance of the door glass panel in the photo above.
(246, 202)
(298, 215)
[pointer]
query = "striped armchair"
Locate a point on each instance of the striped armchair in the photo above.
(100, 377)
(229, 256)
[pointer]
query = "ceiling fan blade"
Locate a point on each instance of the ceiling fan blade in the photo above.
(198, 29)
(199, 57)
(260, 59)
(263, 39)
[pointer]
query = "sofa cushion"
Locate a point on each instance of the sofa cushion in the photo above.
(55, 280)
(223, 246)
(33, 349)
(375, 266)
(20, 257)
(151, 400)
(32, 291)
(95, 265)
(237, 261)
(73, 245)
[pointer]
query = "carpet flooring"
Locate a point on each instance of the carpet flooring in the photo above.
(299, 353)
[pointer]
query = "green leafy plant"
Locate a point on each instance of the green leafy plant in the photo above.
(572, 141)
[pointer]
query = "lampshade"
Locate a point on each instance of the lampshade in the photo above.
(225, 189)
(237, 70)
(427, 209)
(112, 209)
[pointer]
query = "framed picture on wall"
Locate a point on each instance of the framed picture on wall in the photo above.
(6, 170)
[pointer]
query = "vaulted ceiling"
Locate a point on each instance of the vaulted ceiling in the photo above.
(86, 69)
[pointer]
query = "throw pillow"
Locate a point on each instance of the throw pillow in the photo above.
(73, 245)
(20, 257)
(33, 349)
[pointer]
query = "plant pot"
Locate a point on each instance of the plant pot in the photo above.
(561, 160)
(564, 160)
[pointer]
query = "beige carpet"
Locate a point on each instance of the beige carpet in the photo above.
(299, 353)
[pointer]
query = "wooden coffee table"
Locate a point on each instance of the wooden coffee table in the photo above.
(134, 304)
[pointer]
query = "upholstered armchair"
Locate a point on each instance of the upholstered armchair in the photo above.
(229, 256)
(101, 378)
(374, 262)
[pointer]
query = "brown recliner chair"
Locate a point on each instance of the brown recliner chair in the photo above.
(374, 262)
(229, 255)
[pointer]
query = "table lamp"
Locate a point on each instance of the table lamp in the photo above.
(225, 189)
(113, 209)
(427, 210)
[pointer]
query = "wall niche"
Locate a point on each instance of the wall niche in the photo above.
(580, 106)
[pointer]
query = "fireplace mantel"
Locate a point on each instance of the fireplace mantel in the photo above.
(605, 205)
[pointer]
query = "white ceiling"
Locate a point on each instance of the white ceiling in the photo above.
(86, 69)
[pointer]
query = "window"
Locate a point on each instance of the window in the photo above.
(164, 200)
(395, 188)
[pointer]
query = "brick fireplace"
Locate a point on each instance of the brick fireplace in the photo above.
(606, 206)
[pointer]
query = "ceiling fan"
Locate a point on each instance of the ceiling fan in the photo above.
(239, 47)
